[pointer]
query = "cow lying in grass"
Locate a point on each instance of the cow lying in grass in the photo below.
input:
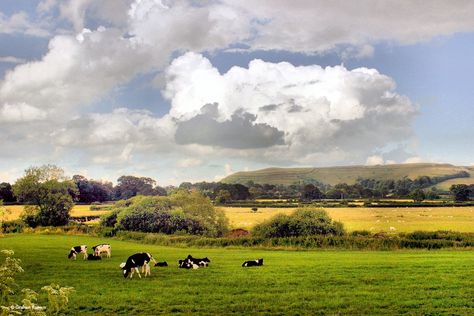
(136, 261)
(102, 248)
(92, 256)
(253, 263)
(187, 264)
(161, 264)
(204, 262)
(78, 249)
(193, 263)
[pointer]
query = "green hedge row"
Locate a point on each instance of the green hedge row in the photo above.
(347, 242)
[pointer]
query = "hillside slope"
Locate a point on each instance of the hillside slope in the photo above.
(347, 174)
(445, 185)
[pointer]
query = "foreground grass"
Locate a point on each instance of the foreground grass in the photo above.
(290, 282)
(374, 219)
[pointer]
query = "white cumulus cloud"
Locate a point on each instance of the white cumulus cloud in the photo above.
(313, 109)
(374, 160)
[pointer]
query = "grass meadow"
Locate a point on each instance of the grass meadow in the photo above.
(372, 218)
(289, 283)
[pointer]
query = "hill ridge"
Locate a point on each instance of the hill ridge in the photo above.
(349, 174)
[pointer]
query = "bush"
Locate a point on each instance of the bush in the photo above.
(95, 206)
(15, 226)
(361, 233)
(303, 222)
(181, 212)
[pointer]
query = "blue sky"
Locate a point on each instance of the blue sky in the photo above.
(130, 87)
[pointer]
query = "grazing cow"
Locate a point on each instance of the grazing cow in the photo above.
(102, 248)
(161, 264)
(78, 249)
(134, 262)
(187, 264)
(204, 262)
(92, 256)
(253, 263)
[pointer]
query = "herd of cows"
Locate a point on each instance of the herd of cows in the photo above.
(142, 260)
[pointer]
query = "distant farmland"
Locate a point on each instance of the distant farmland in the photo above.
(14, 211)
(348, 174)
(373, 219)
(360, 218)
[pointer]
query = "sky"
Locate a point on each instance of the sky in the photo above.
(196, 90)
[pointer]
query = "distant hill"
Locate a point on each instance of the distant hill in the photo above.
(445, 185)
(349, 174)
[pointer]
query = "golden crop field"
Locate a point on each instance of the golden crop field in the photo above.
(372, 219)
(14, 211)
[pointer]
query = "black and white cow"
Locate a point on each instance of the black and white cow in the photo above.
(92, 256)
(204, 262)
(161, 264)
(253, 263)
(187, 264)
(102, 248)
(78, 249)
(136, 261)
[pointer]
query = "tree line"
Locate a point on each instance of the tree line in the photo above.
(88, 191)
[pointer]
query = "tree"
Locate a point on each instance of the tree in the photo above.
(460, 192)
(311, 192)
(93, 191)
(418, 195)
(6, 192)
(48, 193)
(129, 186)
(223, 196)
(432, 194)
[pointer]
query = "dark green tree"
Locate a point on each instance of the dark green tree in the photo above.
(418, 195)
(6, 192)
(130, 186)
(460, 192)
(48, 195)
(311, 192)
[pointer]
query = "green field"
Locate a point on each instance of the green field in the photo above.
(290, 282)
(344, 174)
(374, 219)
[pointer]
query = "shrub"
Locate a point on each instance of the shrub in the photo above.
(95, 206)
(182, 212)
(15, 226)
(361, 233)
(58, 297)
(303, 222)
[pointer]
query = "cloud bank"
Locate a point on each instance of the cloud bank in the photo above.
(273, 113)
(291, 112)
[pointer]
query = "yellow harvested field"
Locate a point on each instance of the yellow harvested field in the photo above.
(360, 218)
(372, 219)
(14, 211)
